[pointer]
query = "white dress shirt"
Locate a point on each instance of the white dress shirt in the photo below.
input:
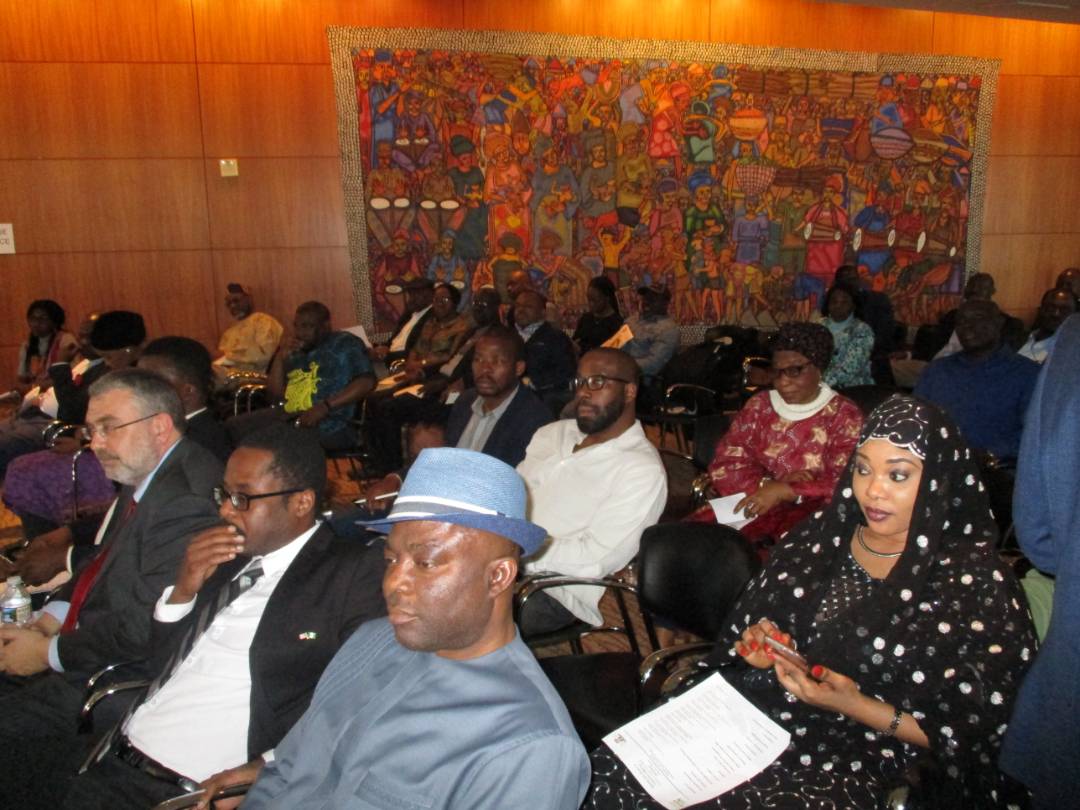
(1037, 350)
(197, 722)
(482, 423)
(594, 504)
(397, 343)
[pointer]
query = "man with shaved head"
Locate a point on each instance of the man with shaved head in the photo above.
(441, 705)
(595, 483)
(986, 386)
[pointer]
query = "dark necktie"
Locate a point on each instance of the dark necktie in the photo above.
(238, 585)
(88, 576)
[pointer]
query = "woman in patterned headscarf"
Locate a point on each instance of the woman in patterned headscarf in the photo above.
(786, 448)
(916, 633)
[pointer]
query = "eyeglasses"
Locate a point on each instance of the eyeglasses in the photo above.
(241, 501)
(595, 382)
(791, 372)
(88, 432)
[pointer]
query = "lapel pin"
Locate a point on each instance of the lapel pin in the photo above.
(308, 636)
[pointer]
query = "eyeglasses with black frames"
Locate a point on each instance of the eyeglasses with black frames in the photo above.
(791, 372)
(241, 501)
(594, 382)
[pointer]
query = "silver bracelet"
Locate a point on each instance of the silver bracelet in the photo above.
(895, 724)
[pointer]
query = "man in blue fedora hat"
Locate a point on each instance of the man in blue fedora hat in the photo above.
(440, 705)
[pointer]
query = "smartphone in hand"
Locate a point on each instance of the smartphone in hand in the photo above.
(789, 655)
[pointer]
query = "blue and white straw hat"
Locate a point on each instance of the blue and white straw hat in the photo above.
(465, 488)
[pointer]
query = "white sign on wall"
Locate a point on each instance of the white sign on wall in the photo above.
(7, 238)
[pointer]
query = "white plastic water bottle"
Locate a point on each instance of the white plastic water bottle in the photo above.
(15, 606)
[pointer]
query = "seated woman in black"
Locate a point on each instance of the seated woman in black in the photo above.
(916, 632)
(603, 318)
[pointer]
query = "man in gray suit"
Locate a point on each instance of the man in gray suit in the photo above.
(135, 422)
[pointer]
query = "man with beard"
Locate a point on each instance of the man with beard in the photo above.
(135, 424)
(595, 483)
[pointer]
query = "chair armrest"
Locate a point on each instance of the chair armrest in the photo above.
(664, 451)
(55, 429)
(700, 389)
(100, 694)
(542, 580)
(193, 798)
(91, 682)
(661, 657)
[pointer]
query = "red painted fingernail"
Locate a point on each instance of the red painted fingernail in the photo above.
(777, 635)
(817, 671)
(741, 650)
(754, 646)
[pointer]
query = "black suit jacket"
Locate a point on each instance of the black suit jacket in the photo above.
(514, 430)
(207, 430)
(331, 587)
(414, 335)
(549, 359)
(143, 554)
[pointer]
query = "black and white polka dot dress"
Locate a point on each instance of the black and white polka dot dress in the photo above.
(946, 637)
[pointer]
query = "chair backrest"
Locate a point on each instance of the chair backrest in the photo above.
(691, 573)
(708, 431)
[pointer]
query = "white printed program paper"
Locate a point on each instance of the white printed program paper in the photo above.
(724, 509)
(699, 745)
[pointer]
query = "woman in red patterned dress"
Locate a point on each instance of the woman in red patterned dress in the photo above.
(786, 448)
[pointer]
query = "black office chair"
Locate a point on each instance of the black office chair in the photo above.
(688, 480)
(689, 576)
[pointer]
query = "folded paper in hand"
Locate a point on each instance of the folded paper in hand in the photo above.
(724, 509)
(619, 339)
(699, 745)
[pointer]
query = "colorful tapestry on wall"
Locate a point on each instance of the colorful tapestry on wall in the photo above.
(738, 178)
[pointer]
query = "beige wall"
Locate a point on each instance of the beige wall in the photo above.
(114, 113)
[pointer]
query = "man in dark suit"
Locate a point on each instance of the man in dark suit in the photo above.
(418, 295)
(550, 360)
(498, 417)
(274, 594)
(186, 364)
(135, 422)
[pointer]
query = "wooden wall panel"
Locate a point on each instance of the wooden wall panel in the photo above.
(173, 290)
(1037, 115)
(627, 19)
(295, 30)
(79, 110)
(96, 31)
(1024, 266)
(1032, 195)
(73, 205)
(277, 202)
(268, 110)
(1025, 47)
(797, 24)
(283, 279)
